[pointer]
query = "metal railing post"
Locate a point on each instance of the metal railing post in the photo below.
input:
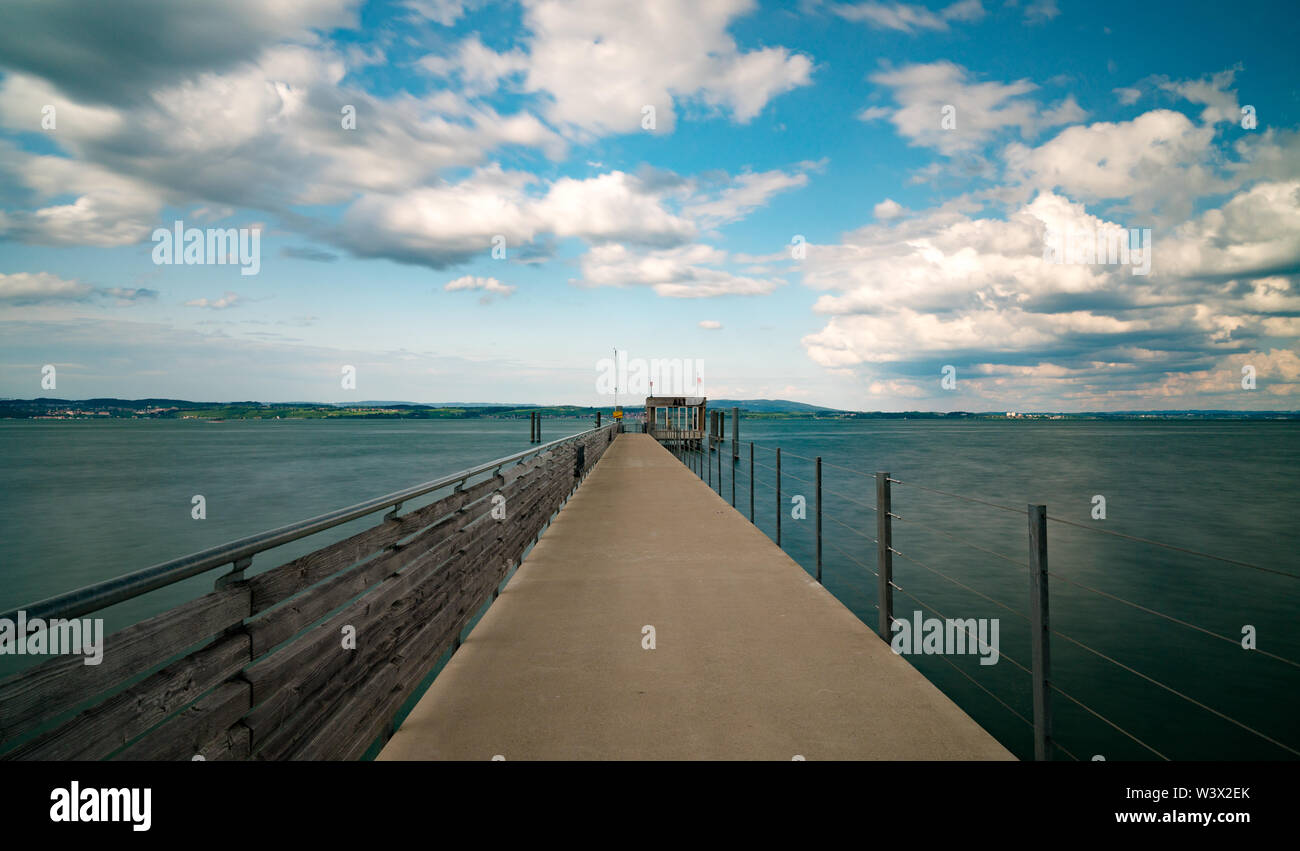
(733, 471)
(884, 557)
(1040, 626)
(751, 481)
(778, 496)
(735, 435)
(708, 462)
(819, 518)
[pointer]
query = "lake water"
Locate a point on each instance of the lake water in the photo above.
(85, 501)
(1223, 488)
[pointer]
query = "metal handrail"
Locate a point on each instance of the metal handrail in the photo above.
(103, 594)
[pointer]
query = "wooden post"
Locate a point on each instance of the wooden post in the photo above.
(719, 471)
(539, 426)
(751, 482)
(735, 435)
(819, 518)
(778, 496)
(884, 557)
(598, 419)
(708, 462)
(532, 426)
(1040, 629)
(722, 429)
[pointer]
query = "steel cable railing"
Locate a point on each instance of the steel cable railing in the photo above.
(783, 475)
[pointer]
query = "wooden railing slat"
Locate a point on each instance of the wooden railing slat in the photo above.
(106, 727)
(46, 691)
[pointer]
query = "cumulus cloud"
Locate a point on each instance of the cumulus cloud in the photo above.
(1041, 11)
(1159, 160)
(121, 53)
(488, 286)
(228, 299)
(33, 288)
(444, 225)
(689, 271)
(908, 17)
(649, 55)
(743, 194)
(886, 210)
(1212, 92)
(950, 286)
(927, 93)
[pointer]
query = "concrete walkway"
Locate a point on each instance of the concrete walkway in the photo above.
(753, 658)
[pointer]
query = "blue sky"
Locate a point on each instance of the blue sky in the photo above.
(923, 239)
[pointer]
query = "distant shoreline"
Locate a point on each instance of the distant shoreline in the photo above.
(175, 409)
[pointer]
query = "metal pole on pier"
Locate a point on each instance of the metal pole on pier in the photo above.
(778, 496)
(1040, 629)
(884, 556)
(751, 481)
(819, 518)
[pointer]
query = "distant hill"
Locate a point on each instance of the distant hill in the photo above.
(772, 406)
(51, 408)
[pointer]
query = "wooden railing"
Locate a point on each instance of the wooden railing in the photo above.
(311, 659)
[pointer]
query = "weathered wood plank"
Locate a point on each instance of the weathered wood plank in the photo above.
(297, 613)
(287, 579)
(275, 729)
(103, 729)
(232, 744)
(277, 670)
(361, 714)
(34, 696)
(199, 729)
(291, 675)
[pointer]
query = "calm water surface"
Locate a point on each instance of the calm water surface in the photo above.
(85, 501)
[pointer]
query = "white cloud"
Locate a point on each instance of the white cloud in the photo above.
(228, 299)
(886, 210)
(1127, 96)
(689, 271)
(1220, 104)
(33, 288)
(924, 93)
(908, 17)
(649, 54)
(479, 69)
(1041, 11)
(440, 226)
(445, 12)
(745, 193)
(489, 286)
(93, 55)
(711, 325)
(1159, 158)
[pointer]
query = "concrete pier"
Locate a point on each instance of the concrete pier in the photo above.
(753, 659)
